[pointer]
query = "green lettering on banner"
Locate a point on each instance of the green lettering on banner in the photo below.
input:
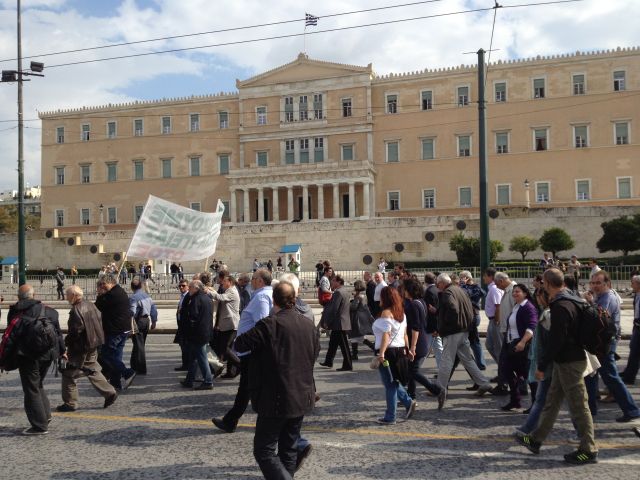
(197, 224)
(157, 214)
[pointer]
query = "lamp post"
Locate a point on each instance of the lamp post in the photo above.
(527, 200)
(101, 226)
(10, 76)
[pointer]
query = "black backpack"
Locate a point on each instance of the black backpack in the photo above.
(38, 335)
(596, 328)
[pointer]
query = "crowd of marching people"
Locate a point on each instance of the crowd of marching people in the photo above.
(551, 343)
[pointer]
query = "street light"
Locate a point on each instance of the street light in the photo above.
(101, 226)
(10, 76)
(527, 201)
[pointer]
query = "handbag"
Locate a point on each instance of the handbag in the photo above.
(323, 297)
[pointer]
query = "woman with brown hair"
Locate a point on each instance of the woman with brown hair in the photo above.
(392, 350)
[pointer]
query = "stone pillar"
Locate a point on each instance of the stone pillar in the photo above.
(365, 200)
(247, 218)
(232, 206)
(276, 205)
(321, 202)
(290, 203)
(305, 202)
(352, 200)
(336, 205)
(260, 204)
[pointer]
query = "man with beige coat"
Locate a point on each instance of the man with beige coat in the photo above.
(226, 324)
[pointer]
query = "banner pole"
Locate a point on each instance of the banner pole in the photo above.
(124, 260)
(206, 264)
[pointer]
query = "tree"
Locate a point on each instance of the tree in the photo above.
(468, 249)
(9, 220)
(620, 234)
(523, 245)
(556, 240)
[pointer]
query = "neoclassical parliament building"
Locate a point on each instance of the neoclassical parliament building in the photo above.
(348, 163)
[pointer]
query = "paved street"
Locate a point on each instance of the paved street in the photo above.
(158, 430)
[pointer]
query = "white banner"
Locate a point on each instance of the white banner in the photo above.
(172, 232)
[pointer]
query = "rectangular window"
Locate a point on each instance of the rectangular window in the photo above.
(428, 151)
(223, 119)
(317, 106)
(112, 130)
(194, 122)
(624, 187)
(503, 194)
(59, 175)
(138, 127)
(137, 212)
(393, 200)
(619, 83)
(227, 214)
(304, 150)
(583, 188)
(261, 115)
(59, 218)
(289, 152)
(426, 99)
(85, 173)
(85, 216)
(194, 166)
(347, 152)
(318, 150)
(464, 146)
(580, 135)
(86, 132)
(346, 107)
(622, 133)
(166, 125)
(303, 107)
(463, 96)
(502, 142)
(464, 196)
(538, 88)
(138, 170)
(540, 139)
(112, 172)
(60, 135)
(429, 198)
(392, 152)
(166, 168)
(501, 92)
(195, 206)
(112, 215)
(262, 159)
(542, 192)
(223, 164)
(578, 84)
(392, 103)
(288, 109)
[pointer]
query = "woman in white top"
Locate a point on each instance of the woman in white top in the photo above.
(392, 349)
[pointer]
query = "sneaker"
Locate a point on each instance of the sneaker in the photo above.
(484, 389)
(34, 431)
(626, 419)
(128, 380)
(442, 397)
(204, 386)
(581, 458)
(518, 432)
(411, 409)
(218, 422)
(109, 400)
(383, 421)
(528, 442)
(302, 456)
(65, 408)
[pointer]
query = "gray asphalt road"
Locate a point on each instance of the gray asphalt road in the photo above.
(158, 430)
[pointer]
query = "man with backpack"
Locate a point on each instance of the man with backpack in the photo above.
(38, 342)
(566, 353)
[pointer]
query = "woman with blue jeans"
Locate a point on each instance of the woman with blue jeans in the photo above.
(391, 347)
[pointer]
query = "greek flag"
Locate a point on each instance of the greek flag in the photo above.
(310, 19)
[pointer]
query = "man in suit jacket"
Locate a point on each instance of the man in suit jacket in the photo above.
(226, 326)
(336, 317)
(197, 315)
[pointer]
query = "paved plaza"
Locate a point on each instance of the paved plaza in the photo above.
(158, 430)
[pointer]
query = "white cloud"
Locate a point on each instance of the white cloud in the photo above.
(51, 25)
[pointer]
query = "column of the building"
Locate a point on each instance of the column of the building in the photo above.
(290, 203)
(321, 202)
(247, 218)
(352, 200)
(305, 202)
(232, 206)
(276, 204)
(336, 205)
(260, 204)
(365, 200)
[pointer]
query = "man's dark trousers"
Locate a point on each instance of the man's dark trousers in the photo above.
(138, 356)
(36, 402)
(241, 402)
(339, 338)
(221, 343)
(283, 433)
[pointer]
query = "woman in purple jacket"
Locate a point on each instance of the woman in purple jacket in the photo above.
(521, 325)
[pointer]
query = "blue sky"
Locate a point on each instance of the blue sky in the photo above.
(56, 25)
